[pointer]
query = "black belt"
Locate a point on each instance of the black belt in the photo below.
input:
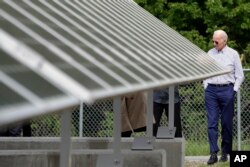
(221, 85)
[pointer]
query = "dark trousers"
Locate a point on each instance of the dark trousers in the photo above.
(159, 108)
(17, 130)
(12, 132)
(219, 102)
(27, 129)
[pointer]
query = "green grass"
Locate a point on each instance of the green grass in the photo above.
(196, 148)
(201, 148)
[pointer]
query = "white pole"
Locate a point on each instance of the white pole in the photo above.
(81, 120)
(150, 113)
(239, 120)
(171, 107)
(117, 129)
(65, 147)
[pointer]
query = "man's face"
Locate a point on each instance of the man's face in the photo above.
(219, 42)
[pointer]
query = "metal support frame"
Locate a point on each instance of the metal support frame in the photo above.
(238, 120)
(65, 147)
(146, 142)
(81, 120)
(164, 131)
(115, 159)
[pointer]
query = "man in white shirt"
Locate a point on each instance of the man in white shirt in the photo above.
(219, 96)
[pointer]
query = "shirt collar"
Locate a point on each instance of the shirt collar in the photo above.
(223, 50)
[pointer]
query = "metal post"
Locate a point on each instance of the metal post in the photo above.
(239, 120)
(150, 113)
(81, 120)
(146, 142)
(171, 107)
(164, 131)
(65, 147)
(115, 159)
(117, 126)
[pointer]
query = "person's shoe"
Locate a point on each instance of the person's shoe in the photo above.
(213, 159)
(223, 157)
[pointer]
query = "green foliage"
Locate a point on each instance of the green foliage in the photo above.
(155, 7)
(233, 17)
(50, 124)
(246, 56)
(179, 15)
(195, 37)
(107, 125)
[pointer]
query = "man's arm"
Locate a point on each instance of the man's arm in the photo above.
(239, 74)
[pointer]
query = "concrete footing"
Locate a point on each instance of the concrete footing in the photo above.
(44, 152)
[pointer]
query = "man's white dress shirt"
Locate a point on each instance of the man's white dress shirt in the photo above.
(230, 59)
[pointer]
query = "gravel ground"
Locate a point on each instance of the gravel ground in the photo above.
(196, 161)
(201, 161)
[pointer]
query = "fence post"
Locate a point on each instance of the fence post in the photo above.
(239, 120)
(81, 120)
(65, 145)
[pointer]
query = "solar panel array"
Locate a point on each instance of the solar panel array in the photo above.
(90, 50)
(22, 92)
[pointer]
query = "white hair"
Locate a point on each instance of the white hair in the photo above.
(221, 33)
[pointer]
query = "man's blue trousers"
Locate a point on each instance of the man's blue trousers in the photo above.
(219, 102)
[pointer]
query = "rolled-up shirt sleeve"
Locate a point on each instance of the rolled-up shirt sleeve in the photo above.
(239, 75)
(205, 84)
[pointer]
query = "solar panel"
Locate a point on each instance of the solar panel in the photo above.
(23, 92)
(92, 50)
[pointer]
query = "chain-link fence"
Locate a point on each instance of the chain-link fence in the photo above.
(97, 120)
